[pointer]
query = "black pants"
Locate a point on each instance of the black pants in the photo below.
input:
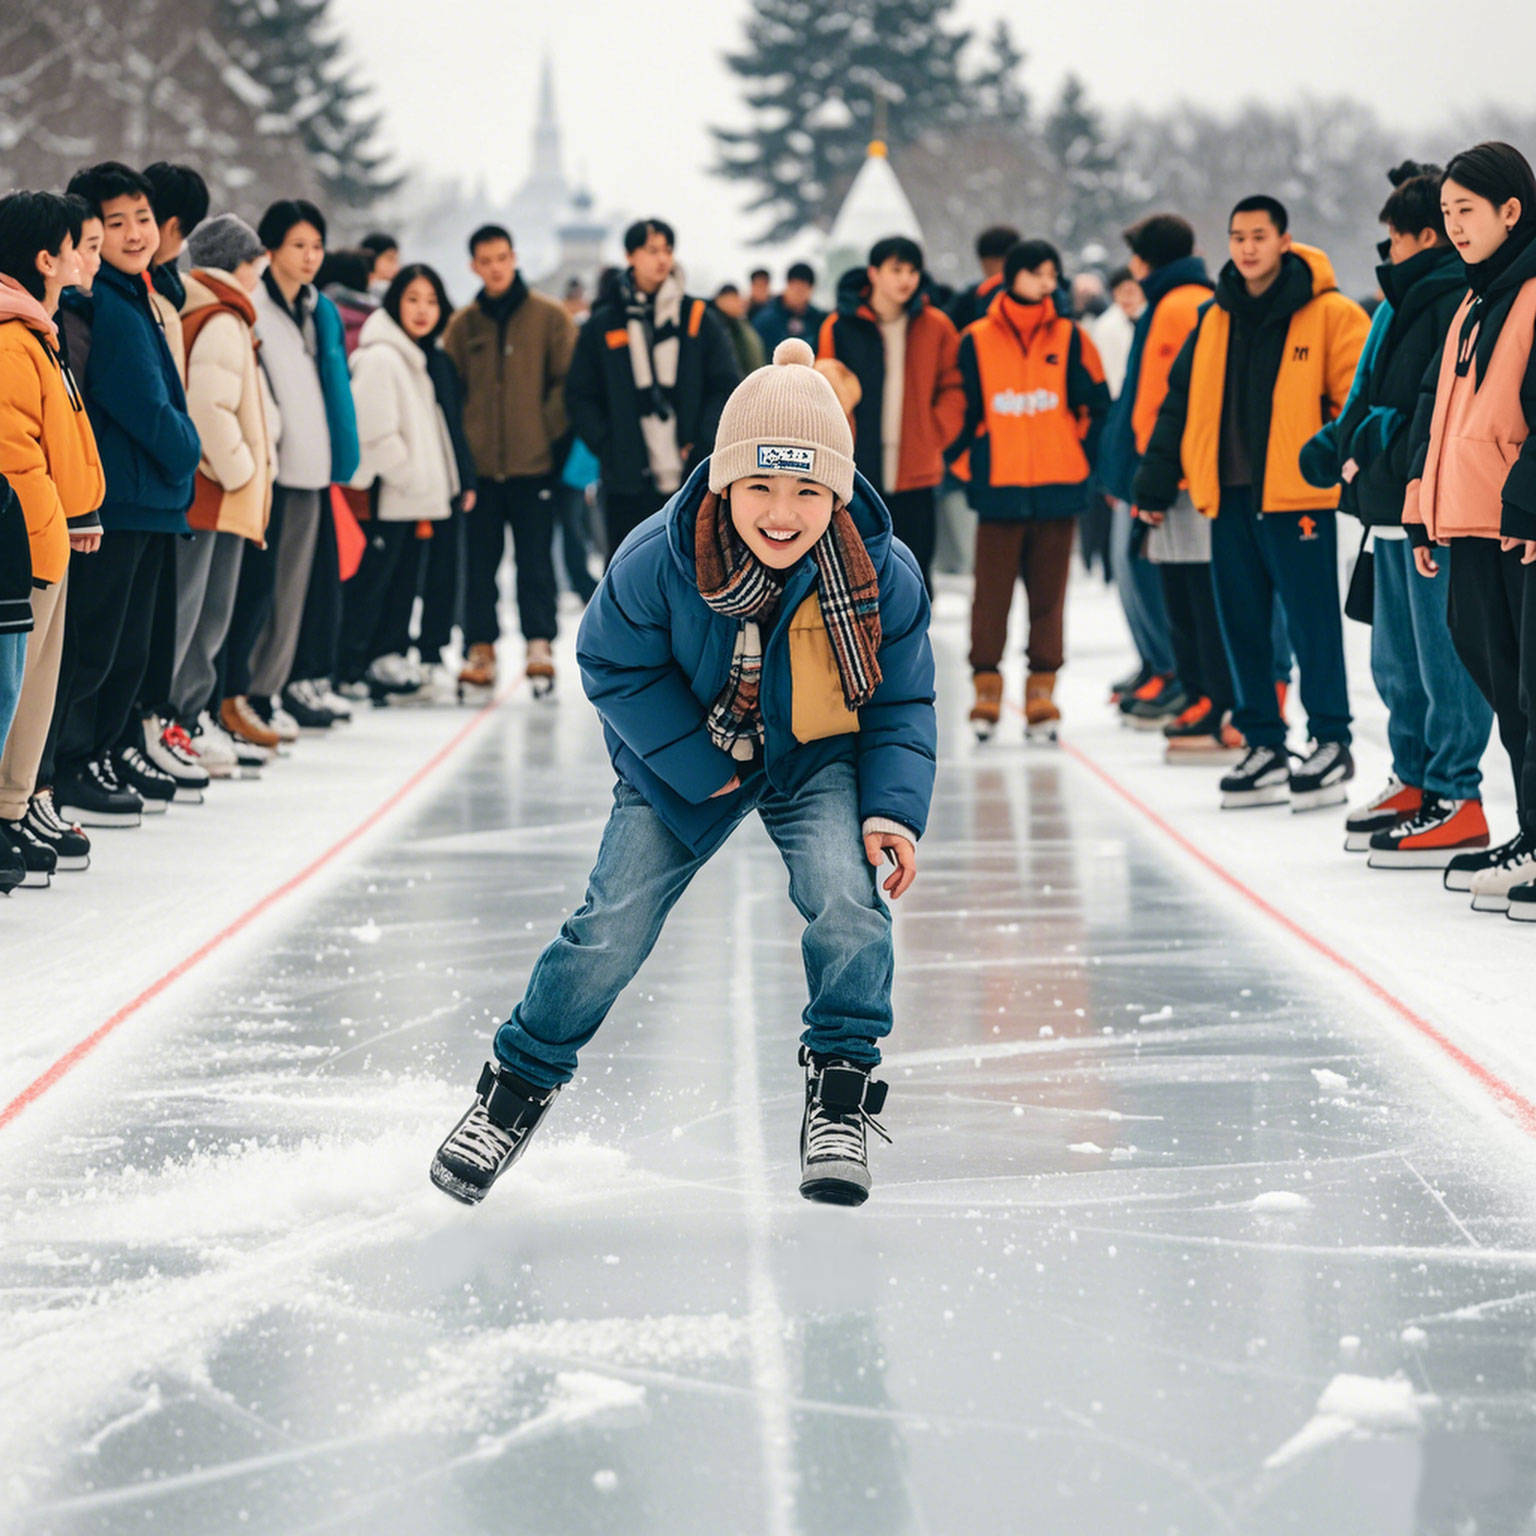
(1195, 633)
(320, 631)
(1492, 614)
(914, 518)
(440, 585)
(526, 504)
(622, 514)
(376, 603)
(113, 597)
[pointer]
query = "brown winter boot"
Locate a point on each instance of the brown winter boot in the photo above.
(244, 724)
(1042, 719)
(988, 708)
(480, 669)
(540, 670)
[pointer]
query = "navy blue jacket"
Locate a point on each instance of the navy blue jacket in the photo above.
(774, 323)
(1118, 459)
(654, 656)
(138, 410)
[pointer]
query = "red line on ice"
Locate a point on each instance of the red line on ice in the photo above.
(81, 1049)
(1513, 1102)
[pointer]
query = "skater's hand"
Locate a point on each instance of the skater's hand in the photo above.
(1424, 561)
(1527, 548)
(729, 787)
(467, 501)
(875, 844)
(85, 543)
(1350, 470)
(1151, 519)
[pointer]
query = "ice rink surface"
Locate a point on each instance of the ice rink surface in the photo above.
(1184, 1229)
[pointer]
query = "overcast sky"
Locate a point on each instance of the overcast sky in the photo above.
(639, 84)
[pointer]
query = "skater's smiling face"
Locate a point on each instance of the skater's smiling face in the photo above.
(779, 517)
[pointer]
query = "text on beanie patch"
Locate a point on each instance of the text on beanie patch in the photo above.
(781, 456)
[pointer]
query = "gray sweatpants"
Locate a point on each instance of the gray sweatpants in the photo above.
(272, 657)
(207, 574)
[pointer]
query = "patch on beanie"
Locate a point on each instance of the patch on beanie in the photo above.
(782, 457)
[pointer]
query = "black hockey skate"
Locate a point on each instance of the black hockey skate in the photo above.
(840, 1102)
(491, 1136)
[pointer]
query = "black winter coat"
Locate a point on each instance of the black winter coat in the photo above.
(603, 404)
(15, 565)
(1425, 292)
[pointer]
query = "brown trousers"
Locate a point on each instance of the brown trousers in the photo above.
(39, 683)
(1040, 552)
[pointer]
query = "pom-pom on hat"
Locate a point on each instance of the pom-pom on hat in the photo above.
(785, 419)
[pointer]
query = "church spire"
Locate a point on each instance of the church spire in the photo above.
(547, 158)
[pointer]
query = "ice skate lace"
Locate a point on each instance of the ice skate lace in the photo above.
(45, 814)
(830, 1134)
(1521, 851)
(1432, 813)
(177, 741)
(480, 1141)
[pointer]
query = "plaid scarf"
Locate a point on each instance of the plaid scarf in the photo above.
(733, 581)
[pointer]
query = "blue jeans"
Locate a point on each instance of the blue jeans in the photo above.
(1292, 556)
(1141, 595)
(13, 657)
(642, 869)
(1438, 722)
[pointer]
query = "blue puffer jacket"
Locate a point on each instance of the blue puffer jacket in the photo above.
(654, 656)
(138, 410)
(336, 386)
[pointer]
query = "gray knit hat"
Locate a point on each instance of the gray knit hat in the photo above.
(223, 243)
(785, 420)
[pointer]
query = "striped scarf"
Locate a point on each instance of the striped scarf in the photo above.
(733, 581)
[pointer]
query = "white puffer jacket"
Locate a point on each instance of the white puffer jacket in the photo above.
(404, 438)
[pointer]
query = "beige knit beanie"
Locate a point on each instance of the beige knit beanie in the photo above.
(785, 419)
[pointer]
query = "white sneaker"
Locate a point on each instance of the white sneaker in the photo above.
(439, 684)
(394, 673)
(333, 701)
(170, 749)
(216, 748)
(283, 723)
(1491, 887)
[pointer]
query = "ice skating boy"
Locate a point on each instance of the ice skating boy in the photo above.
(761, 643)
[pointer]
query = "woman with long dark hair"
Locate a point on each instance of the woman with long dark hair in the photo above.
(409, 468)
(1474, 489)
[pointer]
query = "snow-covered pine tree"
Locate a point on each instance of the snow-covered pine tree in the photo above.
(997, 93)
(312, 92)
(136, 80)
(820, 82)
(1088, 193)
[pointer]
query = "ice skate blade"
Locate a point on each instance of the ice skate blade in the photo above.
(1152, 723)
(86, 818)
(475, 695)
(1252, 799)
(1047, 734)
(1414, 858)
(73, 866)
(541, 687)
(455, 1187)
(1358, 842)
(1458, 879)
(35, 880)
(1490, 903)
(1521, 911)
(186, 795)
(984, 730)
(151, 808)
(1318, 799)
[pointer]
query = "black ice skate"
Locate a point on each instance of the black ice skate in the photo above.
(491, 1136)
(1262, 778)
(1322, 777)
(840, 1102)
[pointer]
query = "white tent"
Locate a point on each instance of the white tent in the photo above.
(876, 206)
